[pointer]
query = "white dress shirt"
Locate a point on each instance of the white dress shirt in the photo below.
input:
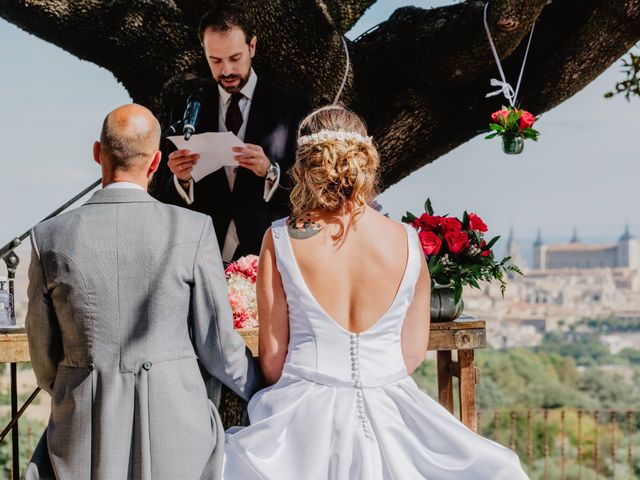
(124, 186)
(231, 240)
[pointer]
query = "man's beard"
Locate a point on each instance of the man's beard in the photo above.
(235, 88)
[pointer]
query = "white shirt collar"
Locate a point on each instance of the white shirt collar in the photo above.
(124, 185)
(247, 90)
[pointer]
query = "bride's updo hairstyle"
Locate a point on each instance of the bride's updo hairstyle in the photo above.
(336, 163)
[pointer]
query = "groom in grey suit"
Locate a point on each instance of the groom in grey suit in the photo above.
(126, 295)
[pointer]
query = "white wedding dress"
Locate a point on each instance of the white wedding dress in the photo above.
(345, 407)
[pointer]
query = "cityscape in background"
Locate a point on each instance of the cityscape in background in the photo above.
(563, 283)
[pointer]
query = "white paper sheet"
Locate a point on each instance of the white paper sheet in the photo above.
(214, 149)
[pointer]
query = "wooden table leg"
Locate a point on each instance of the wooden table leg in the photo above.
(467, 389)
(445, 379)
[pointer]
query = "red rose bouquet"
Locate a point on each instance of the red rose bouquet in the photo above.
(456, 251)
(513, 125)
(241, 279)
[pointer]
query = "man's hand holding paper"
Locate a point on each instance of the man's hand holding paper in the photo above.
(203, 154)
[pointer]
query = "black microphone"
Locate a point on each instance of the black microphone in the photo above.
(191, 115)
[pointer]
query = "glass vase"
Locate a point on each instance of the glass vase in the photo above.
(512, 144)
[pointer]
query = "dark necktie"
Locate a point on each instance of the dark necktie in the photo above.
(233, 121)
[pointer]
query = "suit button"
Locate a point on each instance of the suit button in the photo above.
(147, 365)
(91, 367)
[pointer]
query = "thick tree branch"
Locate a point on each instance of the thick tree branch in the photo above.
(428, 103)
(584, 54)
(345, 14)
(419, 79)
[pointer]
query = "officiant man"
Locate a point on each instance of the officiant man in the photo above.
(242, 200)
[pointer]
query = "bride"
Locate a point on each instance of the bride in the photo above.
(343, 298)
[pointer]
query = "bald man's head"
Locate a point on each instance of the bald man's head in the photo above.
(130, 137)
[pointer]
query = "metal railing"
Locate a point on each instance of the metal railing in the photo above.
(569, 444)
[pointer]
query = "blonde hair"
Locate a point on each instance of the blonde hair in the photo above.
(334, 173)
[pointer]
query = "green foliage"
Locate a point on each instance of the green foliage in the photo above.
(585, 348)
(609, 325)
(30, 433)
(630, 85)
(608, 390)
(524, 379)
(521, 378)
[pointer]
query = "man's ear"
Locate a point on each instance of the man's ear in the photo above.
(252, 46)
(96, 153)
(155, 163)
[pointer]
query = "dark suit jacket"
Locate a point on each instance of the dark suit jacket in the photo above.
(273, 122)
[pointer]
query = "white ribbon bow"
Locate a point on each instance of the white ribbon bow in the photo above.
(505, 88)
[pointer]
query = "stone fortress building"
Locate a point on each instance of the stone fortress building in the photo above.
(576, 254)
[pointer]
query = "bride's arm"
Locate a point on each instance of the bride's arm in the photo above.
(415, 330)
(272, 314)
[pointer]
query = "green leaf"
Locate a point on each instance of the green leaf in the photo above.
(530, 133)
(408, 218)
(427, 206)
(458, 292)
(493, 135)
(436, 270)
(496, 127)
(491, 243)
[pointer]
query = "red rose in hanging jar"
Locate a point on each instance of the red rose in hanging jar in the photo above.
(526, 120)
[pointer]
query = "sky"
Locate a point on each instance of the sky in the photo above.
(583, 172)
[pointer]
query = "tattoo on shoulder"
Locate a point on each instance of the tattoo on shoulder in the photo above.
(303, 227)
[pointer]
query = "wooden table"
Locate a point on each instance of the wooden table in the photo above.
(14, 348)
(463, 336)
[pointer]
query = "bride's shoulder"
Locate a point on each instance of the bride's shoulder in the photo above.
(380, 220)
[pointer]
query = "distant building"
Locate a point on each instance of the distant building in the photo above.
(513, 252)
(576, 254)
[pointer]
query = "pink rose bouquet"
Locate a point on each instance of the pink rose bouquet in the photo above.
(241, 279)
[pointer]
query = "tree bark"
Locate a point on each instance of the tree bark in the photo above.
(419, 79)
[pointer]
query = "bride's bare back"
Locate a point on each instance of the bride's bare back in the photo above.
(354, 279)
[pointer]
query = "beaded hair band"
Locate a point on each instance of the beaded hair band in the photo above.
(326, 135)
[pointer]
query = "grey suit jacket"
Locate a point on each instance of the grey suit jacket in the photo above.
(126, 294)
